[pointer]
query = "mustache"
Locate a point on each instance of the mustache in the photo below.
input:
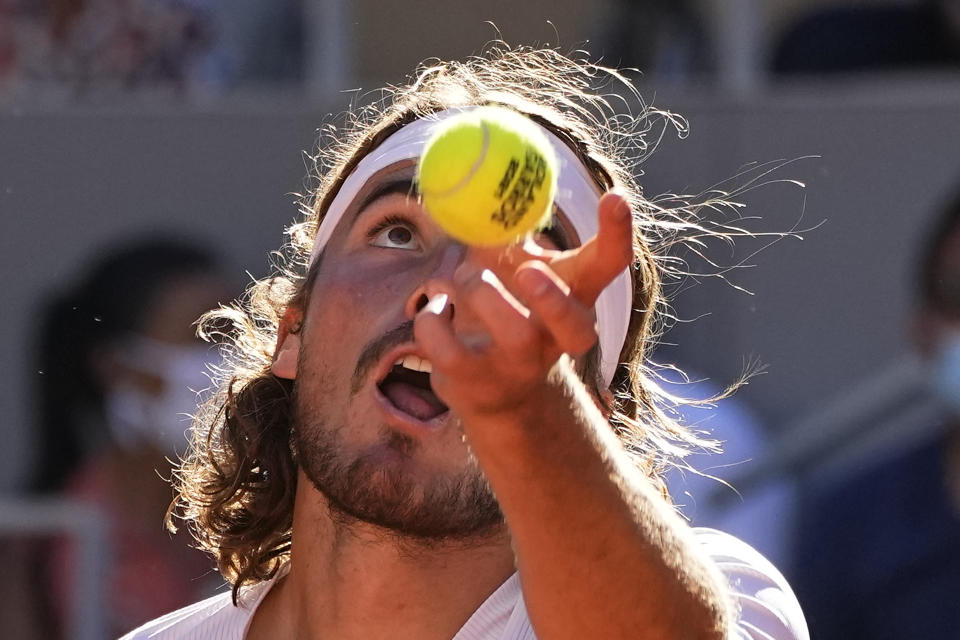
(373, 352)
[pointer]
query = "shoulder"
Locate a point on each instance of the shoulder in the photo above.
(766, 604)
(215, 617)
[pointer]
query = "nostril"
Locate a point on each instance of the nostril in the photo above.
(423, 300)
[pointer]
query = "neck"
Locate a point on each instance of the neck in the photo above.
(353, 580)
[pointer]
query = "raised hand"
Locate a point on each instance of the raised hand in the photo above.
(529, 307)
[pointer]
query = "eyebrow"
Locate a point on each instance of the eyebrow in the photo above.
(401, 186)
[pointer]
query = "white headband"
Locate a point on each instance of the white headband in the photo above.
(577, 197)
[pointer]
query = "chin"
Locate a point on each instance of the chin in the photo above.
(392, 487)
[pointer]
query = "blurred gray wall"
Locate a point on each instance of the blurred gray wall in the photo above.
(825, 311)
(72, 182)
(833, 309)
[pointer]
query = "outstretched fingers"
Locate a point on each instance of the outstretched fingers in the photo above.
(516, 337)
(516, 328)
(569, 323)
(591, 268)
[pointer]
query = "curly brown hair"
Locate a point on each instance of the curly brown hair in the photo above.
(237, 485)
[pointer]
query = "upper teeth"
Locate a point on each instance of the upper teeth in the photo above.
(414, 363)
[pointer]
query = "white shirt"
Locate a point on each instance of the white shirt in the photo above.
(768, 609)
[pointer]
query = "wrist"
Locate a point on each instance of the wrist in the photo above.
(547, 421)
(522, 404)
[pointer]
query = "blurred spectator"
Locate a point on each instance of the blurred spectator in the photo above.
(878, 552)
(181, 46)
(21, 610)
(121, 371)
(761, 513)
(663, 38)
(865, 37)
(256, 42)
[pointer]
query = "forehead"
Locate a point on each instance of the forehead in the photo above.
(392, 178)
(388, 180)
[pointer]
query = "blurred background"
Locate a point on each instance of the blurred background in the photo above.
(150, 155)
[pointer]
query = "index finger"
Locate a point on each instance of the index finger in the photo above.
(589, 269)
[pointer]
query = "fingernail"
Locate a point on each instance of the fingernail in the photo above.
(533, 281)
(619, 190)
(437, 304)
(622, 210)
(489, 277)
(530, 246)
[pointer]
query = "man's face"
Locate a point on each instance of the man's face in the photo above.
(370, 434)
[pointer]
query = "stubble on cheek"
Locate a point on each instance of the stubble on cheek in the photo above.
(370, 473)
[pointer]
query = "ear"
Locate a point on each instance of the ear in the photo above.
(287, 352)
(602, 399)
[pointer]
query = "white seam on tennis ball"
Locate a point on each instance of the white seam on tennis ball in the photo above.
(473, 170)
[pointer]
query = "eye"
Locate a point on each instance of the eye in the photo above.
(552, 238)
(394, 233)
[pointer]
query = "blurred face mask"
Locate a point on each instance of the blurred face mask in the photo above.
(137, 416)
(944, 371)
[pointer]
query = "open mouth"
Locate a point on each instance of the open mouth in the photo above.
(407, 387)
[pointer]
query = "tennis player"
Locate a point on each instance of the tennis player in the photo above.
(420, 439)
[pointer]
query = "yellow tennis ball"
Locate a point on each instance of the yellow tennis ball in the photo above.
(488, 176)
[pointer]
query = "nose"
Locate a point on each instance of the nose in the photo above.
(439, 280)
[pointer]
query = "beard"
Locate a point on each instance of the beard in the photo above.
(386, 493)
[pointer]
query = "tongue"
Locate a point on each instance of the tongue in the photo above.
(420, 403)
